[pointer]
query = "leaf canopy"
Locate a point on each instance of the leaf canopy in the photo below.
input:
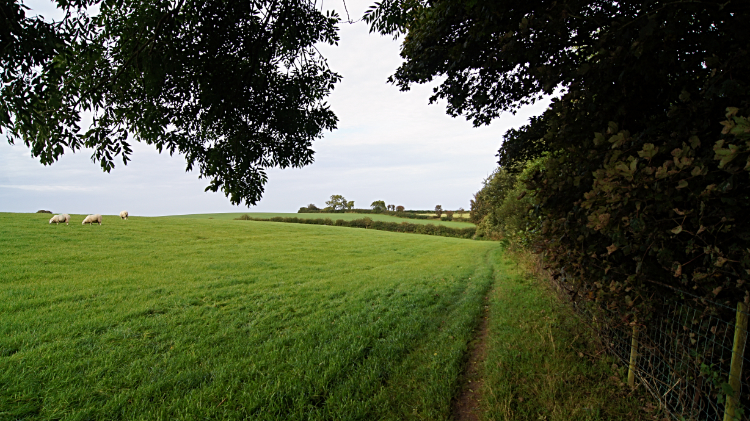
(235, 86)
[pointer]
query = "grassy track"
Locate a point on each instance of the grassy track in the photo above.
(188, 318)
(333, 216)
(543, 363)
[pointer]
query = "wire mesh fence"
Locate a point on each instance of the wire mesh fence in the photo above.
(684, 358)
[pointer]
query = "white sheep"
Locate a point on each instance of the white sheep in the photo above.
(91, 219)
(59, 219)
(124, 215)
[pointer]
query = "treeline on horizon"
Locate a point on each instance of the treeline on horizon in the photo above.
(409, 214)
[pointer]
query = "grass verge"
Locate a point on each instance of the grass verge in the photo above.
(543, 363)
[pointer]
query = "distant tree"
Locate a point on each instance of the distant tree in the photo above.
(391, 207)
(438, 210)
(399, 208)
(350, 205)
(461, 212)
(338, 202)
(449, 215)
(311, 208)
(378, 206)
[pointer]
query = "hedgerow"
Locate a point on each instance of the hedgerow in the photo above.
(367, 223)
(662, 217)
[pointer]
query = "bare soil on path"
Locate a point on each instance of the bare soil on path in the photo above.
(466, 406)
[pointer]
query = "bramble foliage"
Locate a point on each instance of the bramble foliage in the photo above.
(236, 87)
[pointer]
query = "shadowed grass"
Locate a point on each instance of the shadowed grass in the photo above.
(543, 363)
(184, 318)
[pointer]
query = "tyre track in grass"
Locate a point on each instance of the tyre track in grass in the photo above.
(467, 405)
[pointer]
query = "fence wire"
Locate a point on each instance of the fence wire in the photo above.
(683, 358)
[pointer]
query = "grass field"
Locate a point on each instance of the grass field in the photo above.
(193, 318)
(333, 216)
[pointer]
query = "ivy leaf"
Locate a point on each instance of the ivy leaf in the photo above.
(725, 155)
(611, 249)
(648, 151)
(611, 127)
(682, 184)
(741, 128)
(676, 230)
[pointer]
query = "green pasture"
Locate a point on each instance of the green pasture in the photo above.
(197, 318)
(333, 216)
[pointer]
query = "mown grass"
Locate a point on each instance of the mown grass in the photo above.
(543, 363)
(332, 216)
(188, 318)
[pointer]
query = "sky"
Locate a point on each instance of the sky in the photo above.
(389, 145)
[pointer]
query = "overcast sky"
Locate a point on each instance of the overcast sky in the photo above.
(390, 146)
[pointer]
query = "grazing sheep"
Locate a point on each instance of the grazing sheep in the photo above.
(124, 215)
(91, 219)
(59, 219)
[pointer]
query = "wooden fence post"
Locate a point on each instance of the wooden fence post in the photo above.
(738, 352)
(633, 357)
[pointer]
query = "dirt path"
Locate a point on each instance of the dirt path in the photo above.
(466, 407)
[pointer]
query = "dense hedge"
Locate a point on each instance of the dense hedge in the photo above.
(661, 215)
(660, 218)
(427, 229)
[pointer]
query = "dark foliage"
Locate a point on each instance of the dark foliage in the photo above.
(494, 190)
(236, 87)
(641, 196)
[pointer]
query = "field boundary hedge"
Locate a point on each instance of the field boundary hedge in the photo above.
(367, 223)
(409, 214)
